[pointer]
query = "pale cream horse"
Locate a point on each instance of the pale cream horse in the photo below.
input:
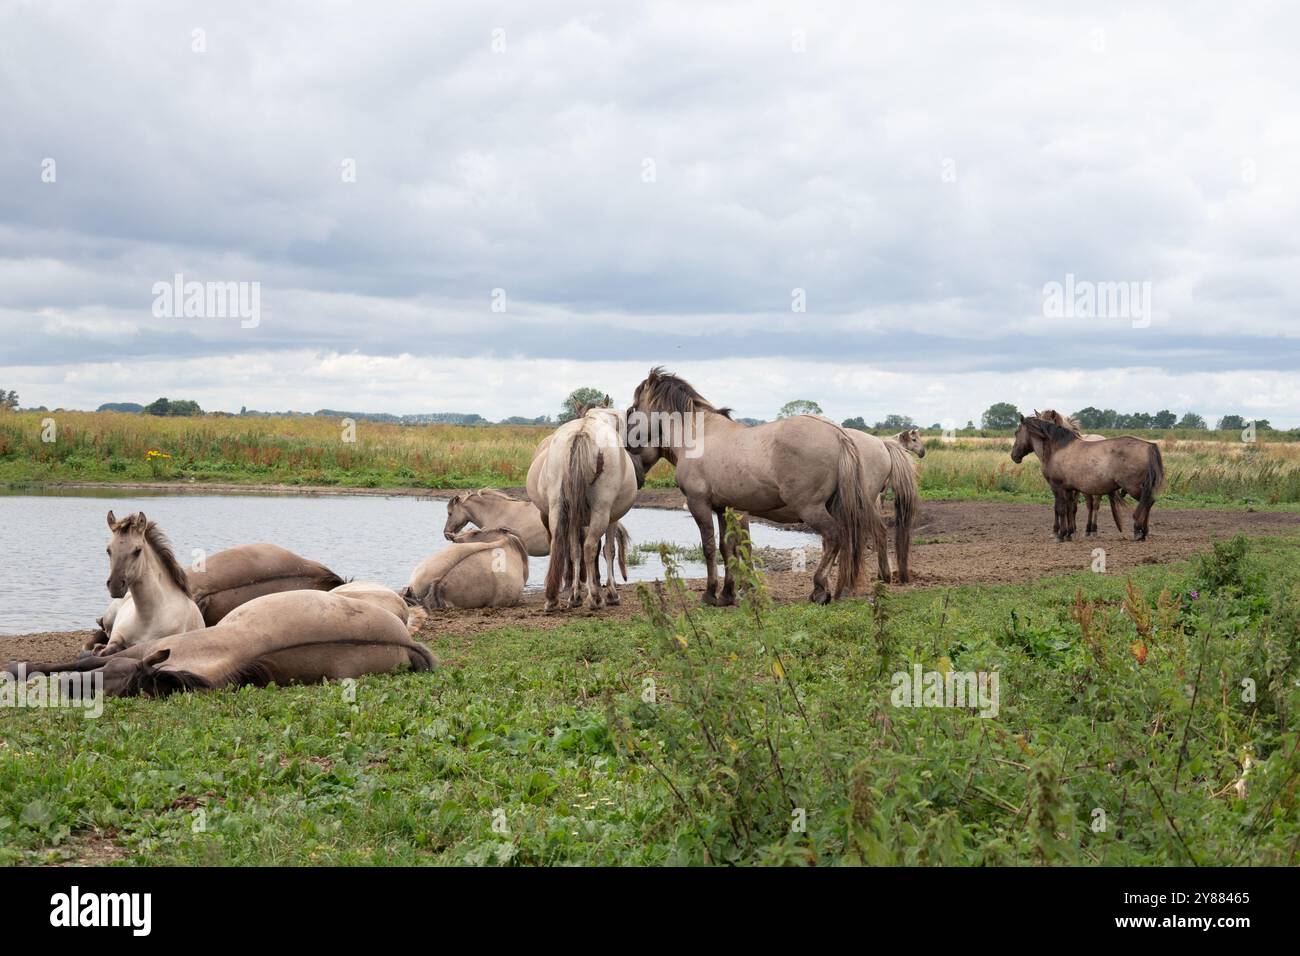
(478, 569)
(885, 465)
(583, 481)
(1094, 503)
(799, 469)
(141, 563)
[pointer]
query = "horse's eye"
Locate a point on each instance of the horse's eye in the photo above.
(136, 553)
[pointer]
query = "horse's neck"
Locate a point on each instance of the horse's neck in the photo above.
(154, 588)
(711, 423)
(1043, 449)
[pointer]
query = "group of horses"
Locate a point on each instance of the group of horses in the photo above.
(260, 614)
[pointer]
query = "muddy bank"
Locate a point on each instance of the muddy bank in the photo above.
(955, 543)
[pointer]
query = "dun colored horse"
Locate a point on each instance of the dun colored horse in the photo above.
(1094, 501)
(804, 468)
(1072, 465)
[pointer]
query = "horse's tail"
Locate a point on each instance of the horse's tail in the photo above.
(586, 462)
(420, 658)
(855, 515)
(902, 478)
(1116, 506)
(622, 542)
(1155, 477)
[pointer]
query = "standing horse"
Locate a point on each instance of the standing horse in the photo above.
(1094, 501)
(910, 440)
(1072, 465)
(804, 468)
(886, 465)
(583, 482)
(141, 562)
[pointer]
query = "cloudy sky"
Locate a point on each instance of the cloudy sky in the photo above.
(481, 206)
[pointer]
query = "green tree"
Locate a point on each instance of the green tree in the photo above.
(1090, 417)
(1191, 420)
(1231, 423)
(1164, 419)
(577, 398)
(896, 423)
(857, 422)
(800, 406)
(1000, 415)
(8, 400)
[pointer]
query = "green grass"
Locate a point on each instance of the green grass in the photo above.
(753, 717)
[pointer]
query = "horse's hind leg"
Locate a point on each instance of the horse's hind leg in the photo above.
(611, 546)
(820, 520)
(1094, 503)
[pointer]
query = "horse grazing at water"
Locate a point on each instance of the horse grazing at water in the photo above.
(804, 468)
(1116, 498)
(1072, 465)
(141, 563)
(583, 481)
(293, 637)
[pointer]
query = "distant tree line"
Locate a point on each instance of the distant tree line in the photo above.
(8, 400)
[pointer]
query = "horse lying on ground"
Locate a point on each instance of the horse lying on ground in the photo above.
(478, 569)
(1072, 465)
(223, 582)
(141, 563)
(489, 508)
(295, 637)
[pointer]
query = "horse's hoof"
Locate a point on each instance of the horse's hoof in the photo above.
(709, 598)
(551, 606)
(613, 599)
(820, 597)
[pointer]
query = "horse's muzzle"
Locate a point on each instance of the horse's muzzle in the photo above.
(116, 589)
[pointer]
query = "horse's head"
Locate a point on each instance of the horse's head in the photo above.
(126, 557)
(457, 516)
(911, 441)
(639, 445)
(1023, 445)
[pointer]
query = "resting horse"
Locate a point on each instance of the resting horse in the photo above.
(478, 569)
(141, 563)
(1116, 497)
(295, 637)
(803, 468)
(1073, 465)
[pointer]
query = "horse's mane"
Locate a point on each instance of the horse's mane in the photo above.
(1049, 429)
(163, 548)
(1064, 421)
(662, 391)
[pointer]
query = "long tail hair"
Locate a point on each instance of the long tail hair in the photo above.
(1155, 477)
(586, 461)
(902, 478)
(855, 516)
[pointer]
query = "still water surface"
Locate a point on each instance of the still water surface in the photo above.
(53, 566)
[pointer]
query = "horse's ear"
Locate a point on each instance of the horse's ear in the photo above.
(112, 521)
(154, 660)
(607, 402)
(1022, 419)
(139, 522)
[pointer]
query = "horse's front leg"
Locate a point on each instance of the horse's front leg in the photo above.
(703, 516)
(1062, 508)
(728, 596)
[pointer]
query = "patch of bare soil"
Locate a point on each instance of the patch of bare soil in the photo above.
(960, 542)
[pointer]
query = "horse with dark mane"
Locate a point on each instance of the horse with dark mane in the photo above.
(1072, 465)
(1094, 501)
(803, 468)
